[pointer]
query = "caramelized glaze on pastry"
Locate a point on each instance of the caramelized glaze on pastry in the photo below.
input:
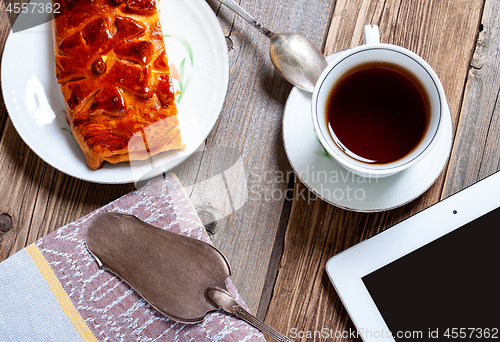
(115, 79)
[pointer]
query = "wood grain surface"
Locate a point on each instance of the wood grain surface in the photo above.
(476, 152)
(444, 34)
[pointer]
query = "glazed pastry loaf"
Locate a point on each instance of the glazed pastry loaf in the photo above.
(115, 79)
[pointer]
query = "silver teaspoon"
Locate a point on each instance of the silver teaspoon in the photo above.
(296, 58)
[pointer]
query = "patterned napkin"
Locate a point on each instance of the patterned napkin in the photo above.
(53, 290)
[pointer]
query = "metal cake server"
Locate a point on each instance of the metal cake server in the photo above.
(181, 277)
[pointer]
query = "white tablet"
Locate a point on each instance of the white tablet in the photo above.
(432, 277)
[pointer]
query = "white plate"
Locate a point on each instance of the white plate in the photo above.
(328, 180)
(36, 106)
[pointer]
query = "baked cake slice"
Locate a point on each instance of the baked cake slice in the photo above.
(114, 75)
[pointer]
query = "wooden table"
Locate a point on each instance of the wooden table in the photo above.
(278, 247)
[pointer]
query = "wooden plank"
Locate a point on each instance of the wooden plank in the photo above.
(274, 262)
(476, 152)
(443, 33)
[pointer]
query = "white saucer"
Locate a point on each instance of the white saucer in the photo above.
(328, 180)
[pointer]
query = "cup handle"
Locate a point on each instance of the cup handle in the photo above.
(371, 34)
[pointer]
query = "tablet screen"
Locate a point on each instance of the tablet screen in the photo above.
(448, 289)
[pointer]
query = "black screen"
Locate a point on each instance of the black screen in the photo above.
(447, 290)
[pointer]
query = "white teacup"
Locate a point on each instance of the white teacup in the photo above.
(373, 50)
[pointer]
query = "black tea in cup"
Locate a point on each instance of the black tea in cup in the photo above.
(378, 112)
